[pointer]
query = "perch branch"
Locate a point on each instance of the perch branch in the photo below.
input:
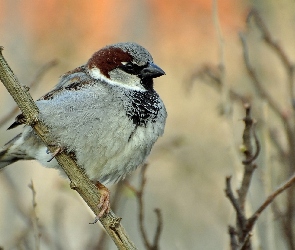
(78, 179)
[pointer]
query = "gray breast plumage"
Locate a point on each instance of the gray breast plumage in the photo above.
(110, 129)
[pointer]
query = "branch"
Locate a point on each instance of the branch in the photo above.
(250, 166)
(269, 199)
(235, 202)
(159, 227)
(139, 195)
(35, 218)
(267, 37)
(117, 193)
(276, 47)
(78, 179)
(257, 84)
(246, 244)
(233, 238)
(212, 75)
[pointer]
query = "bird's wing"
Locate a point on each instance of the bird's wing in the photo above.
(72, 80)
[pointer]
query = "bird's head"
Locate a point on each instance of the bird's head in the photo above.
(125, 64)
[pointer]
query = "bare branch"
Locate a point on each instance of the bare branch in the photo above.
(275, 139)
(233, 238)
(257, 143)
(235, 202)
(276, 47)
(41, 72)
(268, 39)
(245, 244)
(211, 75)
(251, 221)
(248, 152)
(257, 84)
(35, 218)
(159, 227)
(139, 195)
(102, 241)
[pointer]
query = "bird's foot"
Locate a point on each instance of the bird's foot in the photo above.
(56, 152)
(104, 202)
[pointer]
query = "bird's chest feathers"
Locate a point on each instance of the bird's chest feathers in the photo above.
(142, 107)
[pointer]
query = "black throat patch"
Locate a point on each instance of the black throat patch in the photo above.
(143, 107)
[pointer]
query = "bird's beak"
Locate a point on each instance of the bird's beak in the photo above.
(151, 71)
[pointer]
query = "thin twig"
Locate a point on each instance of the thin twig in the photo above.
(159, 227)
(251, 221)
(41, 73)
(35, 218)
(287, 120)
(102, 241)
(268, 39)
(225, 88)
(275, 139)
(16, 198)
(257, 84)
(248, 152)
(257, 143)
(139, 195)
(211, 75)
(235, 202)
(276, 47)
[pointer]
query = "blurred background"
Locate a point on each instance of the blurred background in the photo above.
(200, 147)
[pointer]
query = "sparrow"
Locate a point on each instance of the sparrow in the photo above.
(105, 113)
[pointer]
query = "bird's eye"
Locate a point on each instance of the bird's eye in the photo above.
(128, 67)
(132, 68)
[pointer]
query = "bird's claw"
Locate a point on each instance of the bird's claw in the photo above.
(56, 152)
(104, 202)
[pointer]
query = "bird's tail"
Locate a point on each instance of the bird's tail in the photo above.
(10, 153)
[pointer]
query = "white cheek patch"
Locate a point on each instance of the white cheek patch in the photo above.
(96, 74)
